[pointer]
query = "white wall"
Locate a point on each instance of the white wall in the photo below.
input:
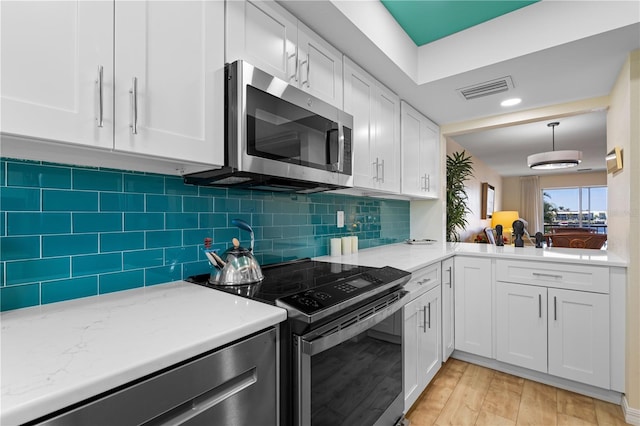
(623, 130)
(481, 173)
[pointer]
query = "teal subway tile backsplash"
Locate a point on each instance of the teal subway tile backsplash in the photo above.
(121, 241)
(19, 296)
(145, 184)
(108, 283)
(97, 222)
(59, 290)
(67, 245)
(20, 199)
(21, 223)
(120, 202)
(17, 248)
(69, 201)
(28, 271)
(141, 259)
(69, 232)
(97, 180)
(38, 176)
(96, 264)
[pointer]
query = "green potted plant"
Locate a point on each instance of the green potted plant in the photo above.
(459, 169)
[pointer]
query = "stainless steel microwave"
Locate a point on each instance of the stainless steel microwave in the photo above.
(279, 138)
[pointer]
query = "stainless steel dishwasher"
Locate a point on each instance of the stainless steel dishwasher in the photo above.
(235, 385)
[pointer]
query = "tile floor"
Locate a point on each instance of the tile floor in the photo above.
(467, 394)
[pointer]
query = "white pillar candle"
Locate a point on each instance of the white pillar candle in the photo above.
(346, 245)
(336, 247)
(354, 244)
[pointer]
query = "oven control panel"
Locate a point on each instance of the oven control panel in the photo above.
(322, 297)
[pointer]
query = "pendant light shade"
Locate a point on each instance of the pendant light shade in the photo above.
(554, 159)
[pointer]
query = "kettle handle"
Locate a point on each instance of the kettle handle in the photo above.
(244, 226)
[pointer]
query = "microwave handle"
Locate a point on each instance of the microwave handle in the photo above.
(339, 166)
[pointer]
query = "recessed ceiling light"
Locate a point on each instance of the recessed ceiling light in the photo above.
(511, 102)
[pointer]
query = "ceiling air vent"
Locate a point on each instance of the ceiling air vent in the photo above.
(487, 88)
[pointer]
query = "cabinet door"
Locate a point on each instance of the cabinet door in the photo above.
(51, 54)
(432, 334)
(420, 154)
(359, 94)
(422, 343)
(430, 158)
(411, 352)
(265, 35)
(579, 336)
(319, 67)
(387, 140)
(473, 325)
(173, 51)
(412, 177)
(448, 341)
(521, 325)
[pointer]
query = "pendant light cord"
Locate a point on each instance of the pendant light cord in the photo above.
(553, 134)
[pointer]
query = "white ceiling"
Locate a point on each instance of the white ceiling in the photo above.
(582, 69)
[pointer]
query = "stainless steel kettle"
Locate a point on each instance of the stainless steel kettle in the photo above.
(237, 266)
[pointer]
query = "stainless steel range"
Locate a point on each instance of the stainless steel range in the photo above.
(341, 347)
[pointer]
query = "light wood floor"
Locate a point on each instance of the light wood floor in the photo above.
(467, 394)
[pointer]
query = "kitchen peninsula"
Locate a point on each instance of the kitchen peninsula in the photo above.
(57, 355)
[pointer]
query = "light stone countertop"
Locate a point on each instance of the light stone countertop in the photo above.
(411, 257)
(58, 354)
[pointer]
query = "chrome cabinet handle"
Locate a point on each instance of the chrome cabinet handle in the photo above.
(376, 164)
(133, 94)
(424, 319)
(555, 309)
(450, 277)
(429, 316)
(99, 84)
(539, 274)
(539, 306)
(294, 55)
(306, 61)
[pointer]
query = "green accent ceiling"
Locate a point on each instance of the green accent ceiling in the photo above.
(429, 20)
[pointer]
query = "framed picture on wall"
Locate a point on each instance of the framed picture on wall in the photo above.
(488, 199)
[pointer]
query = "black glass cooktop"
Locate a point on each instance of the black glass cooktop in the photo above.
(284, 279)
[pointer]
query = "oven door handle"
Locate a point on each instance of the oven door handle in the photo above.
(340, 335)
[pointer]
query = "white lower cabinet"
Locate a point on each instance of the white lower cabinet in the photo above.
(473, 305)
(421, 344)
(561, 332)
(521, 328)
(448, 322)
(579, 336)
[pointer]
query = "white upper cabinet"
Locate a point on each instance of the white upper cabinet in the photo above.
(270, 38)
(163, 96)
(169, 79)
(57, 70)
(376, 130)
(420, 154)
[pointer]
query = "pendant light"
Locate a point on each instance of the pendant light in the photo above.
(554, 159)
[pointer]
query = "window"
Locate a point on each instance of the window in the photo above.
(581, 207)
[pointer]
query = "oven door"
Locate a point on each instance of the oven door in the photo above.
(347, 372)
